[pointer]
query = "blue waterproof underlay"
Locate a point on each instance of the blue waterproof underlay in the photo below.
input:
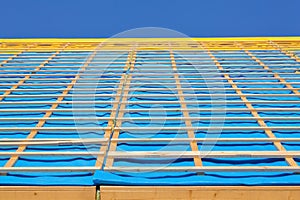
(198, 75)
(194, 179)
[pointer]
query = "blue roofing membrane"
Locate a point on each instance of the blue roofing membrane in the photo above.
(150, 98)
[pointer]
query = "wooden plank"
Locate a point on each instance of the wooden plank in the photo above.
(122, 106)
(47, 169)
(51, 142)
(187, 120)
(144, 75)
(154, 109)
(147, 79)
(47, 192)
(164, 154)
(146, 89)
(288, 169)
(174, 128)
(203, 61)
(138, 84)
(49, 153)
(66, 143)
(206, 154)
(59, 141)
(200, 192)
(147, 102)
(165, 169)
(146, 118)
(206, 139)
(115, 109)
(155, 95)
(158, 68)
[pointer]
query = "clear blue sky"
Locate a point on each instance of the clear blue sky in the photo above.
(104, 18)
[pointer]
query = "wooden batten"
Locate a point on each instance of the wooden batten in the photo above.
(199, 193)
(47, 193)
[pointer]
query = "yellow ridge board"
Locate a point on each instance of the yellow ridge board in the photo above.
(295, 38)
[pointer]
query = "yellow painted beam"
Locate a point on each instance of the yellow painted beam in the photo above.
(149, 39)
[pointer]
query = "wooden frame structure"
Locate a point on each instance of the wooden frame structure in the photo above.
(39, 80)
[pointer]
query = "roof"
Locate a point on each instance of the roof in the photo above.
(150, 111)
